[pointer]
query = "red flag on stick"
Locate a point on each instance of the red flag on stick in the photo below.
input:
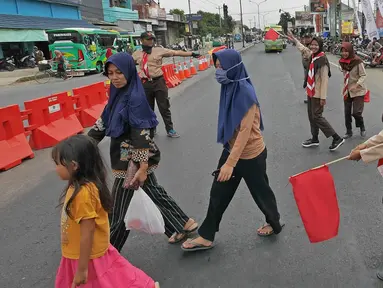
(271, 35)
(315, 195)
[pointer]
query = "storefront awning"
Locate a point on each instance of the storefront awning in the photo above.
(40, 23)
(21, 35)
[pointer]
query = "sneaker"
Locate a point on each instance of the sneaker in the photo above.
(173, 134)
(348, 135)
(336, 144)
(363, 133)
(305, 101)
(310, 143)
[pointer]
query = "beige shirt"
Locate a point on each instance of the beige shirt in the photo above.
(357, 77)
(247, 142)
(154, 60)
(372, 153)
(321, 77)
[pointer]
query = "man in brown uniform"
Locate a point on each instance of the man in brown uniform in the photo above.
(150, 63)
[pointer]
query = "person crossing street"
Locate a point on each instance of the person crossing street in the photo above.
(149, 61)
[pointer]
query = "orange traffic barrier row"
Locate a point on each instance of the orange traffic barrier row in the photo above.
(51, 119)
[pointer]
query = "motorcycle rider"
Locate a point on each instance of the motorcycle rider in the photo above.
(375, 47)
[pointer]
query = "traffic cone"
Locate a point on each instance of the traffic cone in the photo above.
(181, 74)
(187, 71)
(176, 73)
(206, 65)
(200, 64)
(193, 71)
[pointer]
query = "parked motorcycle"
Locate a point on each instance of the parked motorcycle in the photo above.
(7, 64)
(26, 61)
(371, 59)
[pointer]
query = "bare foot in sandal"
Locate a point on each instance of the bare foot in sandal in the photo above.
(189, 227)
(265, 230)
(196, 244)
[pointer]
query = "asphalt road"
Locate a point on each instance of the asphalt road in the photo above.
(30, 238)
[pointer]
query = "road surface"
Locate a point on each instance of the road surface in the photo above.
(30, 238)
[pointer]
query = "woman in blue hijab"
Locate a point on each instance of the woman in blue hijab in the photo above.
(244, 154)
(129, 121)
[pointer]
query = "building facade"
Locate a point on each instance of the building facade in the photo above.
(23, 23)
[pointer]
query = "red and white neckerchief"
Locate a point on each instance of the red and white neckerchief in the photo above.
(345, 87)
(145, 67)
(310, 89)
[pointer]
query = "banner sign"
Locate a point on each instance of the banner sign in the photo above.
(318, 6)
(372, 31)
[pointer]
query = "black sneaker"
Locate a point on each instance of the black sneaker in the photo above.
(379, 274)
(348, 135)
(363, 133)
(305, 101)
(336, 143)
(310, 143)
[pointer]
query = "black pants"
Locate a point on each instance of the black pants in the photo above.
(174, 218)
(353, 107)
(221, 193)
(317, 121)
(157, 90)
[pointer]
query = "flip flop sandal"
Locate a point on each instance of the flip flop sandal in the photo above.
(192, 230)
(197, 247)
(269, 233)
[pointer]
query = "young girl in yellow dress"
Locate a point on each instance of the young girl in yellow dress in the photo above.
(88, 259)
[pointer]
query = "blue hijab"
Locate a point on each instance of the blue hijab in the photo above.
(127, 106)
(236, 97)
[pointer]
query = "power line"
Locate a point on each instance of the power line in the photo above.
(269, 11)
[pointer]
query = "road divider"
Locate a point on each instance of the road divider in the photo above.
(14, 146)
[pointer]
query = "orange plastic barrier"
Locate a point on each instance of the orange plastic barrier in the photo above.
(173, 76)
(51, 120)
(90, 102)
(14, 145)
(169, 82)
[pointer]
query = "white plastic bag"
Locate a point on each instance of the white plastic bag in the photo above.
(143, 215)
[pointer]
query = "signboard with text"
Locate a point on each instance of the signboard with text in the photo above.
(303, 18)
(318, 6)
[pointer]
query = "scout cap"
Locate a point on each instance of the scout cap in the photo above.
(148, 36)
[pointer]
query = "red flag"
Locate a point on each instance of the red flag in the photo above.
(315, 195)
(367, 97)
(380, 166)
(271, 35)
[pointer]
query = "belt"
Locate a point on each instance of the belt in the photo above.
(144, 80)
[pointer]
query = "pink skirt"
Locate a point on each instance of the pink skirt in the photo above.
(109, 271)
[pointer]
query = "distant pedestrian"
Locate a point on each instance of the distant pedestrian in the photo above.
(354, 89)
(88, 260)
(244, 154)
(129, 121)
(61, 66)
(152, 76)
(316, 83)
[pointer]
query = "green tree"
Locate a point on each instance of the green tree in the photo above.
(246, 28)
(284, 19)
(209, 24)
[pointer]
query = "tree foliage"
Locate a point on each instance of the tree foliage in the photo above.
(284, 19)
(177, 12)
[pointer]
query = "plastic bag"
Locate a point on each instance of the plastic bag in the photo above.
(143, 215)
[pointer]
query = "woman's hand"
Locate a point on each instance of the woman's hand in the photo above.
(322, 102)
(81, 277)
(225, 173)
(140, 177)
(355, 155)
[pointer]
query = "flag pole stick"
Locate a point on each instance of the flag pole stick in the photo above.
(334, 161)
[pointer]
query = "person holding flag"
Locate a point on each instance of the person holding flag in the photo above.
(370, 151)
(316, 84)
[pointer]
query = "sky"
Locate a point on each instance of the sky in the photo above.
(269, 8)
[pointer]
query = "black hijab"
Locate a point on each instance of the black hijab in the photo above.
(319, 63)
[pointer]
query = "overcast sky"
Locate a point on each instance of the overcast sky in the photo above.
(250, 10)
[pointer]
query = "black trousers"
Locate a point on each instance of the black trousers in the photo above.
(157, 90)
(317, 121)
(174, 218)
(221, 194)
(353, 107)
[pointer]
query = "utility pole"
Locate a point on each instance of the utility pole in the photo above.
(220, 19)
(243, 34)
(250, 23)
(190, 20)
(259, 14)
